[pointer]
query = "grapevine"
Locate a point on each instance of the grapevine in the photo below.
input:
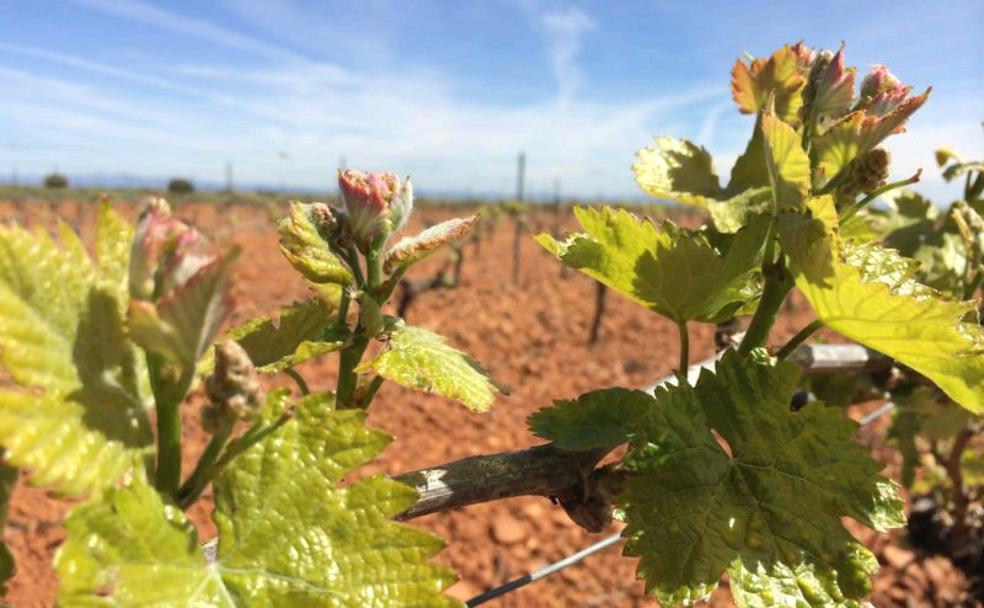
(743, 467)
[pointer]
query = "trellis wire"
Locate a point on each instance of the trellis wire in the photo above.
(570, 560)
(557, 566)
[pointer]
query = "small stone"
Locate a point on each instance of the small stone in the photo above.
(519, 552)
(897, 557)
(463, 590)
(936, 569)
(915, 577)
(534, 510)
(507, 530)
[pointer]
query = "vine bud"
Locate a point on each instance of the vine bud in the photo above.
(878, 80)
(805, 56)
(870, 170)
(829, 91)
(881, 92)
(233, 389)
(163, 253)
(377, 204)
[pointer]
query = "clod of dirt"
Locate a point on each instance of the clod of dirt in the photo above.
(508, 530)
(463, 591)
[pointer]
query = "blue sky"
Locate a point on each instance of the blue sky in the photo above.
(448, 91)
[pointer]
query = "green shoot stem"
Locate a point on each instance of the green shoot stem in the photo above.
(778, 284)
(371, 391)
(349, 358)
(684, 363)
(374, 270)
(343, 308)
(196, 482)
(168, 448)
(858, 206)
(834, 183)
(355, 266)
(169, 391)
(798, 339)
(299, 379)
(807, 132)
(374, 263)
(390, 285)
(255, 434)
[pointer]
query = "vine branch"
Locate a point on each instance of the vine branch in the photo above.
(545, 470)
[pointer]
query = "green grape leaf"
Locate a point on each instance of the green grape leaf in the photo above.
(288, 534)
(411, 249)
(132, 549)
(833, 95)
(307, 251)
(364, 559)
(923, 411)
(674, 272)
(305, 330)
(421, 359)
(956, 170)
(77, 415)
(114, 236)
(903, 432)
(8, 478)
(867, 293)
(182, 324)
(778, 78)
(599, 419)
(912, 225)
(749, 170)
(787, 164)
(723, 476)
(972, 465)
(733, 214)
(839, 389)
(677, 170)
(857, 133)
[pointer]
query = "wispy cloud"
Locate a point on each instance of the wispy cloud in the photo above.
(283, 113)
(154, 16)
(74, 61)
(312, 112)
(564, 30)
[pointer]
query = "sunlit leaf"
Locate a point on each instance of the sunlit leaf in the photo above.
(677, 170)
(132, 549)
(766, 508)
(779, 78)
(787, 163)
(421, 359)
(411, 249)
(305, 330)
(749, 170)
(113, 237)
(77, 419)
(733, 214)
(857, 133)
(600, 419)
(288, 535)
(182, 325)
(867, 293)
(8, 478)
(307, 251)
(833, 94)
(672, 271)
